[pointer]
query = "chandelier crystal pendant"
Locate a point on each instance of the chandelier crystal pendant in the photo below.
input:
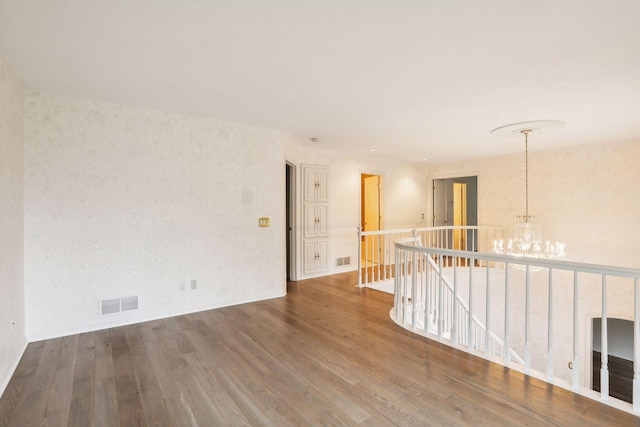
(527, 237)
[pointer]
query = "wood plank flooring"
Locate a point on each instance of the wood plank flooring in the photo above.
(326, 354)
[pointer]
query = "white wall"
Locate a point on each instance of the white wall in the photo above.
(404, 196)
(12, 343)
(126, 201)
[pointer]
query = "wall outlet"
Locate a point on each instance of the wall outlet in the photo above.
(194, 284)
(182, 286)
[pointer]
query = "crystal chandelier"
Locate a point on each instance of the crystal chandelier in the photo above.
(527, 238)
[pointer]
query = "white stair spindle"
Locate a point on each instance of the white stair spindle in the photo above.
(506, 355)
(359, 256)
(440, 300)
(487, 322)
(470, 336)
(527, 342)
(636, 345)
(414, 287)
(550, 330)
(575, 366)
(604, 370)
(366, 263)
(427, 286)
(454, 302)
(396, 283)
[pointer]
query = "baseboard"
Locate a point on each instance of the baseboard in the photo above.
(141, 319)
(5, 381)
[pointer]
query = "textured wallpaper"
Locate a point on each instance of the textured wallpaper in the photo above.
(124, 201)
(12, 343)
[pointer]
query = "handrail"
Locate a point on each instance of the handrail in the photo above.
(541, 262)
(554, 280)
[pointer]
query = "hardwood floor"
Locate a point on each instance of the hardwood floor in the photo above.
(326, 354)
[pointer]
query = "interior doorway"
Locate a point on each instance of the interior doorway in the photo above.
(459, 214)
(455, 203)
(370, 216)
(370, 208)
(619, 357)
(290, 209)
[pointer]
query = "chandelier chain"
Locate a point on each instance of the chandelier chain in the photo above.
(526, 172)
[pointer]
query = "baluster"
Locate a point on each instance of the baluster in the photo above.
(427, 286)
(470, 337)
(505, 347)
(439, 317)
(604, 370)
(636, 345)
(454, 325)
(385, 258)
(550, 330)
(396, 283)
(473, 240)
(366, 263)
(414, 285)
(359, 256)
(376, 256)
(487, 322)
(575, 366)
(405, 281)
(527, 346)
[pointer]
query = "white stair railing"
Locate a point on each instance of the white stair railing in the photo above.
(450, 312)
(375, 248)
(559, 296)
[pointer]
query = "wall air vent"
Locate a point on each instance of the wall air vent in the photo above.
(110, 306)
(343, 261)
(117, 305)
(129, 303)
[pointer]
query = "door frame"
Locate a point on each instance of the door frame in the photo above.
(364, 175)
(586, 359)
(431, 202)
(290, 221)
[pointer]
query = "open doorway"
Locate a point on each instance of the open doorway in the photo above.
(370, 215)
(290, 209)
(459, 214)
(455, 203)
(619, 357)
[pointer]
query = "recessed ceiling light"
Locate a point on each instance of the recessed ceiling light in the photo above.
(424, 159)
(372, 150)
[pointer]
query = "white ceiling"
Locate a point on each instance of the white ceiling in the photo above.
(411, 78)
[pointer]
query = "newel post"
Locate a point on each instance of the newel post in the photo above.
(359, 256)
